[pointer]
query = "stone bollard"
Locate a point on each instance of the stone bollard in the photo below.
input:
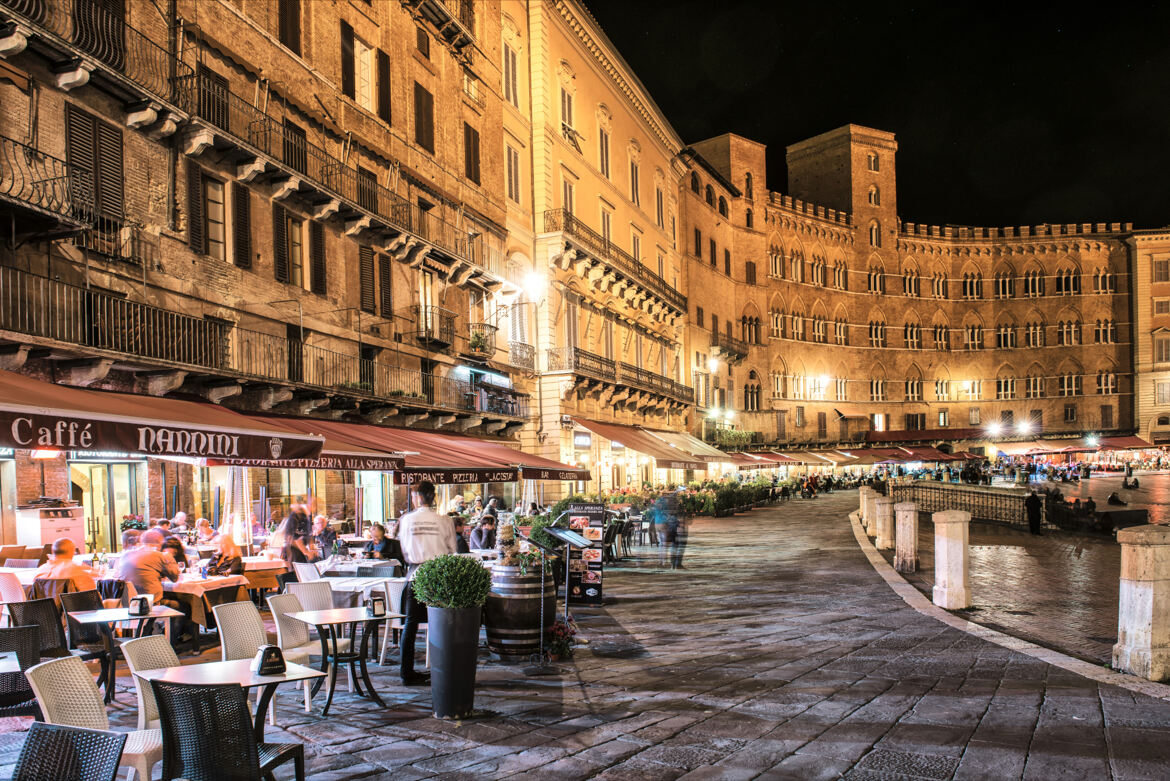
(906, 542)
(1143, 623)
(862, 493)
(885, 523)
(871, 512)
(951, 584)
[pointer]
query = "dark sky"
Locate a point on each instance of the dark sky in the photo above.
(1011, 115)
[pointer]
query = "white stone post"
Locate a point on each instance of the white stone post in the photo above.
(885, 523)
(863, 492)
(906, 544)
(951, 584)
(1143, 621)
(871, 511)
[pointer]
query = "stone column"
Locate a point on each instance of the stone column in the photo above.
(951, 584)
(885, 523)
(871, 512)
(863, 492)
(1143, 622)
(906, 543)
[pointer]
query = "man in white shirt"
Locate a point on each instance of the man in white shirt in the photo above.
(423, 535)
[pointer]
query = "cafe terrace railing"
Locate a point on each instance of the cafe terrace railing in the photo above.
(588, 364)
(992, 504)
(39, 180)
(87, 27)
(270, 136)
(559, 220)
(52, 310)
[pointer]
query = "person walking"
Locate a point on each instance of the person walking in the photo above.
(1032, 508)
(423, 535)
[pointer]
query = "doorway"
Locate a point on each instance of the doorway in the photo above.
(108, 492)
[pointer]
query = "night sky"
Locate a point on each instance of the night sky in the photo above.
(1004, 115)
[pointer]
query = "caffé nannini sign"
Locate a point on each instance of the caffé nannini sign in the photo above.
(40, 431)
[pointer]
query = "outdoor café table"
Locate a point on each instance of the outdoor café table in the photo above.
(105, 620)
(9, 663)
(260, 571)
(237, 671)
(340, 568)
(327, 623)
(201, 594)
(360, 586)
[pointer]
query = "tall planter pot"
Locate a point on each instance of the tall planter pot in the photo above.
(453, 642)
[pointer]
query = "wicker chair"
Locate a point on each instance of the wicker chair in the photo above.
(306, 573)
(23, 563)
(77, 602)
(10, 552)
(11, 590)
(209, 735)
(153, 652)
(67, 695)
(16, 696)
(44, 614)
(60, 753)
(242, 632)
(293, 635)
(315, 595)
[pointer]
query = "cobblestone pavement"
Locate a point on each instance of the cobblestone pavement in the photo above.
(1153, 495)
(1059, 590)
(777, 653)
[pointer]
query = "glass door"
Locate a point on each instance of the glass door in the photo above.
(91, 485)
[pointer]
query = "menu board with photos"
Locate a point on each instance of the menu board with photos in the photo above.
(585, 564)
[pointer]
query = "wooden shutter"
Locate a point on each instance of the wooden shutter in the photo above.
(196, 235)
(242, 224)
(317, 257)
(366, 278)
(385, 286)
(290, 24)
(79, 152)
(111, 181)
(348, 81)
(280, 244)
(424, 121)
(384, 86)
(471, 153)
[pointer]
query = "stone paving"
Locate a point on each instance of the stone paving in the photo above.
(776, 653)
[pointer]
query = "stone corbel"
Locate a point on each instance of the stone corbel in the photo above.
(411, 419)
(442, 419)
(166, 126)
(13, 356)
(197, 139)
(72, 74)
(263, 398)
(141, 114)
(250, 169)
(13, 39)
(214, 392)
(159, 383)
(84, 372)
(379, 414)
(286, 188)
(354, 227)
(494, 426)
(469, 423)
(416, 255)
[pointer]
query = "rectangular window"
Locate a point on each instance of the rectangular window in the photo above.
(915, 421)
(367, 294)
(96, 146)
(635, 190)
(385, 287)
(215, 218)
(471, 153)
(241, 225)
(1162, 393)
(213, 97)
(1070, 413)
(749, 273)
(659, 211)
(699, 322)
(424, 118)
(422, 42)
(727, 262)
(603, 152)
(367, 189)
(1106, 416)
(295, 147)
(317, 262)
(289, 24)
(1162, 270)
(568, 195)
(973, 417)
(1162, 306)
(698, 243)
(711, 250)
(944, 418)
(296, 259)
(511, 93)
(840, 382)
(364, 81)
(913, 390)
(822, 425)
(606, 225)
(512, 173)
(1034, 387)
(636, 245)
(1162, 349)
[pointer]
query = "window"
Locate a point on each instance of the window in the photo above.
(1070, 413)
(711, 249)
(603, 151)
(1106, 383)
(1036, 418)
(818, 271)
(1104, 281)
(840, 275)
(636, 244)
(841, 332)
(1068, 283)
(318, 272)
(942, 389)
(910, 282)
(1162, 349)
(1034, 388)
(748, 219)
(942, 338)
(295, 147)
(695, 187)
(798, 326)
(661, 264)
(288, 247)
(876, 281)
(1005, 337)
(1068, 333)
(972, 286)
(1033, 284)
(877, 390)
(424, 118)
(912, 335)
(799, 415)
(1106, 416)
(840, 382)
(973, 390)
(1005, 285)
(1162, 306)
(213, 97)
(913, 390)
(1161, 394)
(1162, 269)
(819, 330)
(567, 110)
(1007, 417)
(874, 196)
(422, 42)
(1070, 385)
(944, 418)
(362, 66)
(875, 234)
(775, 319)
(512, 173)
(241, 225)
(471, 153)
(776, 265)
(747, 185)
(938, 285)
(1005, 388)
(749, 272)
(722, 206)
(973, 416)
(635, 189)
(659, 211)
(915, 421)
(974, 337)
(367, 189)
(606, 225)
(214, 218)
(1105, 332)
(698, 243)
(96, 146)
(367, 294)
(699, 316)
(511, 92)
(709, 195)
(727, 262)
(877, 333)
(797, 264)
(568, 195)
(822, 425)
(1034, 335)
(871, 162)
(289, 24)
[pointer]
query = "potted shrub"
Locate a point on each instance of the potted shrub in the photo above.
(454, 589)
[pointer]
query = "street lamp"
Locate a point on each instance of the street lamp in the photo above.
(1024, 427)
(994, 429)
(1092, 440)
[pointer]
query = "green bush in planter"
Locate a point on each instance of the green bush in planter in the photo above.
(539, 535)
(452, 581)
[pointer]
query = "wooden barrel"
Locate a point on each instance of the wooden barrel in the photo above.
(512, 612)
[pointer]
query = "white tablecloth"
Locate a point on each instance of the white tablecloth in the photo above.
(196, 585)
(25, 575)
(361, 586)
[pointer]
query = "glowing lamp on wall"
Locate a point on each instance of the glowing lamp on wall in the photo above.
(994, 429)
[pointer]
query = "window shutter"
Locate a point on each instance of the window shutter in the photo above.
(384, 86)
(366, 278)
(424, 123)
(242, 224)
(280, 244)
(109, 176)
(385, 286)
(347, 64)
(79, 152)
(196, 237)
(290, 24)
(317, 257)
(471, 152)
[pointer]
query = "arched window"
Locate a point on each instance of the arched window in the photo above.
(877, 333)
(710, 195)
(747, 219)
(871, 162)
(747, 185)
(722, 205)
(751, 393)
(695, 183)
(875, 234)
(875, 195)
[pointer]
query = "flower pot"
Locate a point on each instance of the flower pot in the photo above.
(453, 643)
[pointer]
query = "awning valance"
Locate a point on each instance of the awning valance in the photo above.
(42, 415)
(1124, 443)
(688, 445)
(339, 453)
(925, 435)
(665, 456)
(750, 461)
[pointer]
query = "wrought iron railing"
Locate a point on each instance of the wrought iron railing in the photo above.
(30, 176)
(48, 309)
(481, 339)
(985, 503)
(729, 344)
(560, 220)
(121, 240)
(434, 325)
(272, 137)
(89, 28)
(582, 362)
(522, 356)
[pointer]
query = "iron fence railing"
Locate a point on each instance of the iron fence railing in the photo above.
(991, 504)
(434, 325)
(582, 362)
(52, 310)
(90, 28)
(481, 339)
(30, 176)
(124, 241)
(729, 344)
(560, 220)
(285, 143)
(522, 356)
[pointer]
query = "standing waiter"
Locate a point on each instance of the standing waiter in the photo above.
(423, 535)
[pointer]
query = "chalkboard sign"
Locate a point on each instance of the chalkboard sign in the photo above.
(585, 564)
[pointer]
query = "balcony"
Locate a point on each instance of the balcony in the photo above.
(522, 356)
(266, 146)
(731, 348)
(646, 380)
(120, 240)
(481, 340)
(624, 271)
(434, 326)
(36, 312)
(43, 195)
(627, 380)
(88, 43)
(454, 19)
(572, 359)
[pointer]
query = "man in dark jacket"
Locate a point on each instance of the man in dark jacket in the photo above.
(1032, 508)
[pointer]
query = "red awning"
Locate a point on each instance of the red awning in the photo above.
(926, 453)
(1124, 443)
(665, 456)
(780, 458)
(42, 415)
(750, 461)
(924, 435)
(338, 453)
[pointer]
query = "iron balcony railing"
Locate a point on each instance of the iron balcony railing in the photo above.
(559, 220)
(481, 339)
(88, 27)
(730, 345)
(572, 359)
(286, 144)
(434, 325)
(645, 379)
(522, 356)
(31, 177)
(48, 309)
(120, 240)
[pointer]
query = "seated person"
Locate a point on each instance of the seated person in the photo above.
(483, 537)
(130, 539)
(1090, 506)
(380, 546)
(460, 540)
(457, 505)
(164, 526)
(179, 523)
(323, 536)
(60, 566)
(203, 531)
(146, 567)
(227, 559)
(1114, 499)
(175, 546)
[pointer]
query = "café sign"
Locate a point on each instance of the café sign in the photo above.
(453, 476)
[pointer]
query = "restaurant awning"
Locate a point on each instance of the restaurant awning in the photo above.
(750, 461)
(42, 415)
(927, 454)
(847, 412)
(338, 453)
(688, 444)
(835, 457)
(665, 456)
(780, 458)
(925, 435)
(806, 457)
(1124, 443)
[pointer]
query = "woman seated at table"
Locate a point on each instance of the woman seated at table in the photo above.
(227, 559)
(178, 552)
(203, 531)
(380, 546)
